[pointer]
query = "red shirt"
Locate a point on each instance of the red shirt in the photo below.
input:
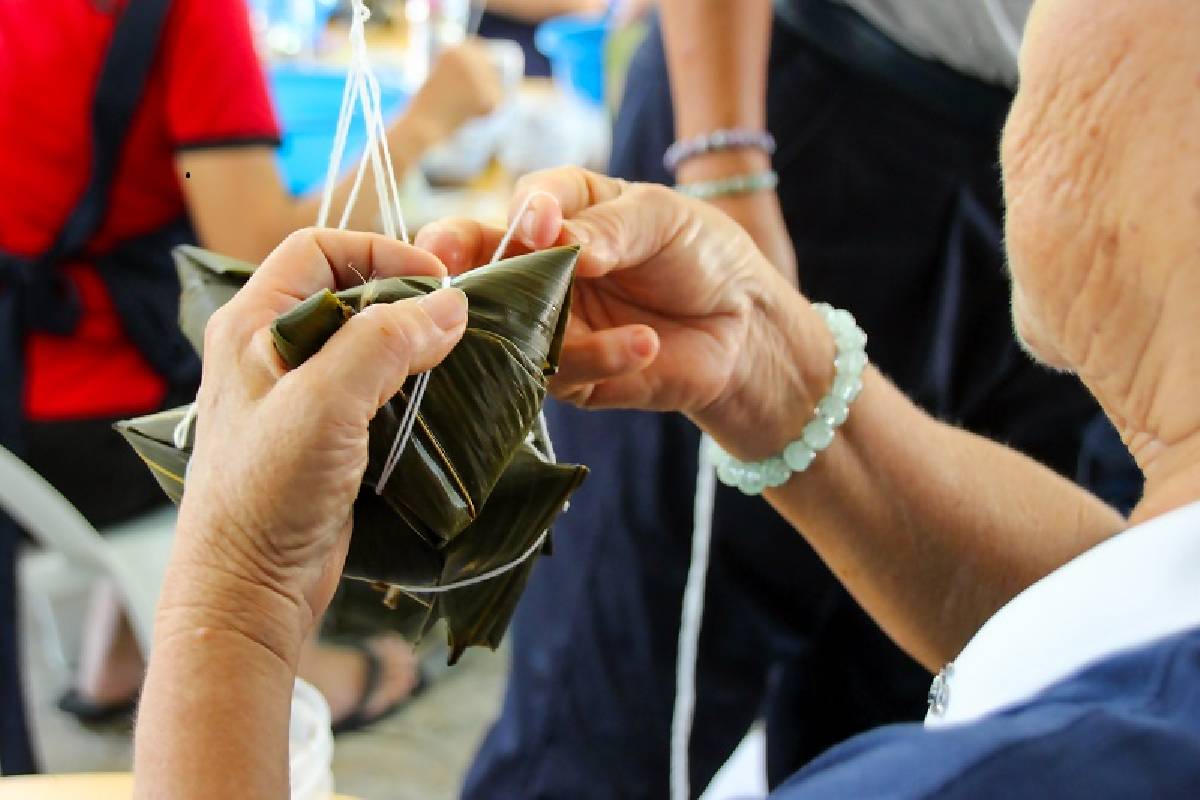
(206, 89)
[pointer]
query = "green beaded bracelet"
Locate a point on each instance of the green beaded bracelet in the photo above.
(766, 180)
(830, 413)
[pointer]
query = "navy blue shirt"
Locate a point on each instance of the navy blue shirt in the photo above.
(1127, 727)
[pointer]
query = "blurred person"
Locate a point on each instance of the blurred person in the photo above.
(517, 20)
(887, 117)
(1074, 633)
(127, 128)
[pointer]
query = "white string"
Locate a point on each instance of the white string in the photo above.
(487, 576)
(362, 89)
(183, 429)
(690, 622)
(512, 228)
(408, 421)
(339, 148)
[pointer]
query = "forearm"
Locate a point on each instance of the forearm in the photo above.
(930, 527)
(241, 207)
(717, 59)
(213, 719)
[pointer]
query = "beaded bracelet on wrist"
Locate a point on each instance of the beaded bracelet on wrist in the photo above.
(717, 141)
(831, 412)
(749, 183)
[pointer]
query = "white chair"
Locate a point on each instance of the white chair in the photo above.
(133, 554)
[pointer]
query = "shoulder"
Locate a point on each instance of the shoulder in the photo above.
(1128, 727)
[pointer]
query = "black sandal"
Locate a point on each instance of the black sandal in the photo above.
(358, 719)
(91, 713)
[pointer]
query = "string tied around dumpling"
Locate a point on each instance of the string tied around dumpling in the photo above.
(363, 86)
(408, 421)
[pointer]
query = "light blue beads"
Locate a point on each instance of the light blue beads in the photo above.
(818, 434)
(798, 456)
(753, 481)
(846, 388)
(775, 472)
(731, 471)
(852, 362)
(831, 412)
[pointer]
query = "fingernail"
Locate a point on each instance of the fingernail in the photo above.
(529, 223)
(443, 244)
(446, 307)
(643, 344)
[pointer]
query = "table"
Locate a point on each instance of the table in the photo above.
(93, 786)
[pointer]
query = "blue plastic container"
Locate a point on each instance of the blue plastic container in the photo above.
(575, 47)
(308, 99)
(291, 27)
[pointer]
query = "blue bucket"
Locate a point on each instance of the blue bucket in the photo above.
(575, 47)
(308, 99)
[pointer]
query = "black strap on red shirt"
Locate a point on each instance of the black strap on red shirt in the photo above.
(34, 295)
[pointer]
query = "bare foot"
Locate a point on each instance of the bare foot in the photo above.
(340, 674)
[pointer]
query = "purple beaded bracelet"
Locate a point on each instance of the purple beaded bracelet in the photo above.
(714, 141)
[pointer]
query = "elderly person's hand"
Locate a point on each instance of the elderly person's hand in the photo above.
(279, 455)
(675, 308)
(266, 519)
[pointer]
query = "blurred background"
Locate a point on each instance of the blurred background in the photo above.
(508, 87)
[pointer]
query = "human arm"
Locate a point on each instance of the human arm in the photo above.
(241, 207)
(930, 527)
(265, 522)
(717, 55)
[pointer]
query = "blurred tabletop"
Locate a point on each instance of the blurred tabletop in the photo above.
(98, 786)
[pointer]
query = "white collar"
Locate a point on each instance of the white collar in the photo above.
(1137, 587)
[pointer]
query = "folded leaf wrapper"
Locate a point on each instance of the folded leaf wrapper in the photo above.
(474, 489)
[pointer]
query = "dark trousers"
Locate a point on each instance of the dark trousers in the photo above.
(896, 215)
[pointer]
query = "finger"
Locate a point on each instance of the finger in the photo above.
(628, 230)
(461, 244)
(603, 355)
(555, 195)
(322, 258)
(366, 362)
(634, 390)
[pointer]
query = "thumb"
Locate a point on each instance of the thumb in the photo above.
(367, 361)
(627, 231)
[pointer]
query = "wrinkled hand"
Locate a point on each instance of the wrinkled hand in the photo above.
(279, 454)
(464, 83)
(758, 213)
(761, 217)
(674, 307)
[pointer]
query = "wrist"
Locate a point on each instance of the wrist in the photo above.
(786, 370)
(722, 164)
(417, 132)
(209, 591)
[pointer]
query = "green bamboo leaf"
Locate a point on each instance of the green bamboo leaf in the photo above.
(470, 493)
(208, 281)
(153, 439)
